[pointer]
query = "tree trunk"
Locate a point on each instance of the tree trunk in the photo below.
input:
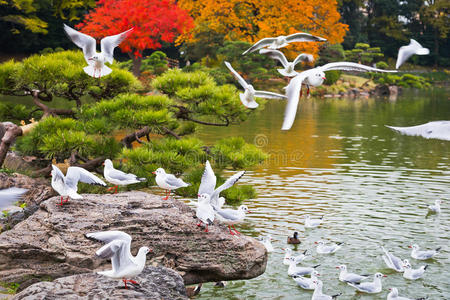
(11, 132)
(137, 62)
(436, 47)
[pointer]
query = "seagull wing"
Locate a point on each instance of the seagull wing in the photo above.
(304, 37)
(208, 182)
(275, 54)
(228, 214)
(303, 57)
(259, 44)
(227, 184)
(84, 41)
(436, 129)
(418, 49)
(173, 181)
(110, 42)
(122, 176)
(75, 174)
(406, 52)
(236, 75)
(351, 66)
(59, 179)
(269, 95)
(293, 95)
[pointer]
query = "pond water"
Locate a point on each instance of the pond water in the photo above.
(372, 184)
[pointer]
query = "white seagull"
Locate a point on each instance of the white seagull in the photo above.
(231, 216)
(305, 282)
(436, 208)
(208, 185)
(288, 256)
(423, 255)
(322, 248)
(315, 77)
(312, 223)
(392, 261)
(432, 130)
(413, 274)
(68, 185)
(248, 97)
(369, 287)
(319, 295)
(96, 61)
(289, 67)
(118, 177)
(406, 52)
(168, 182)
(266, 241)
(293, 270)
(344, 276)
(204, 211)
(393, 295)
(282, 41)
(117, 248)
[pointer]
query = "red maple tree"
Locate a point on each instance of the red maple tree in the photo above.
(154, 21)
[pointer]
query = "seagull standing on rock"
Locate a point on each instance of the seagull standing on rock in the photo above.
(68, 185)
(289, 67)
(118, 177)
(248, 97)
(231, 216)
(96, 61)
(117, 248)
(315, 77)
(423, 255)
(369, 287)
(204, 211)
(282, 41)
(168, 182)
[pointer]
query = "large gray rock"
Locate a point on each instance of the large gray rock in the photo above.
(154, 283)
(51, 243)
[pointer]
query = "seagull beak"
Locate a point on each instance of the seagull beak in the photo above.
(103, 164)
(153, 172)
(390, 289)
(249, 211)
(409, 246)
(90, 58)
(317, 274)
(384, 275)
(324, 78)
(337, 267)
(315, 242)
(198, 195)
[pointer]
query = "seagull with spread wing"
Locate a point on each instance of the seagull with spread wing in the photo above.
(248, 97)
(282, 41)
(289, 67)
(208, 185)
(117, 248)
(95, 60)
(68, 185)
(315, 77)
(406, 52)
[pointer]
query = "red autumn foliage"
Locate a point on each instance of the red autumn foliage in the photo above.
(154, 21)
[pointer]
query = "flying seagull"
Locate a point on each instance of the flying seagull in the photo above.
(315, 77)
(117, 248)
(282, 41)
(68, 185)
(96, 61)
(168, 181)
(248, 97)
(289, 67)
(406, 52)
(208, 185)
(431, 130)
(118, 177)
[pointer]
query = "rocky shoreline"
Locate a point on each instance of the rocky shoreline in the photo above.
(50, 243)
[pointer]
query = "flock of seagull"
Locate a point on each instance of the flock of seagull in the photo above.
(209, 204)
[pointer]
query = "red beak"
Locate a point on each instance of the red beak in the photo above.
(249, 211)
(337, 267)
(103, 164)
(384, 275)
(409, 246)
(153, 172)
(324, 78)
(198, 195)
(315, 242)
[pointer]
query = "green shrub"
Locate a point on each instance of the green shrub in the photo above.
(331, 53)
(332, 76)
(382, 65)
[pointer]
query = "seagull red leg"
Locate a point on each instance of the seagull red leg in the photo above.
(167, 195)
(125, 281)
(206, 229)
(115, 189)
(132, 281)
(237, 232)
(229, 228)
(307, 92)
(61, 201)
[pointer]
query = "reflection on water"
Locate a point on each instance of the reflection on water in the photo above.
(372, 184)
(9, 196)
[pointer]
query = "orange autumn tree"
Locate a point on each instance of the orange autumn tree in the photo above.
(253, 20)
(154, 22)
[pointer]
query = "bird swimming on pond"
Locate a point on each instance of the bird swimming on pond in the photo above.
(68, 185)
(248, 97)
(266, 241)
(436, 208)
(293, 239)
(299, 271)
(168, 182)
(393, 295)
(117, 248)
(95, 60)
(289, 67)
(118, 177)
(322, 248)
(192, 291)
(345, 276)
(424, 254)
(392, 261)
(312, 223)
(319, 295)
(288, 256)
(305, 282)
(411, 273)
(369, 287)
(282, 41)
